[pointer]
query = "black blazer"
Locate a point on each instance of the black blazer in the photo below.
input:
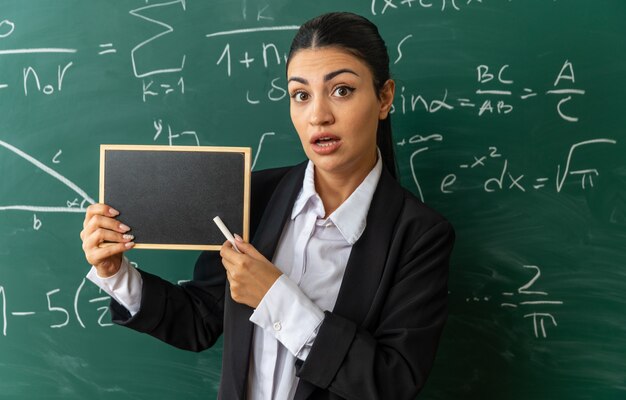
(378, 342)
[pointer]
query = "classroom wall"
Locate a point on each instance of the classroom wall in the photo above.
(507, 119)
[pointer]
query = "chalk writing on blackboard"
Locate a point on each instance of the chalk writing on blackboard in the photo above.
(587, 173)
(171, 136)
(147, 73)
(260, 11)
(48, 50)
(271, 56)
(275, 93)
(566, 73)
(54, 174)
(152, 89)
(4, 311)
(509, 178)
(55, 159)
(31, 75)
(383, 6)
(167, 29)
(538, 318)
(251, 30)
(63, 314)
(256, 157)
(175, 138)
(36, 222)
(399, 48)
(108, 49)
(494, 96)
(6, 28)
(485, 76)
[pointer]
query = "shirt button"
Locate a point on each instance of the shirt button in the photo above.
(277, 326)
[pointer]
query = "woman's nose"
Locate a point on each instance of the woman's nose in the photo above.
(321, 113)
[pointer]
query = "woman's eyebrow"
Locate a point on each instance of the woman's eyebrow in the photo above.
(298, 79)
(327, 77)
(333, 74)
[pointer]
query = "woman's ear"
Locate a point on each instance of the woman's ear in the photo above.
(386, 98)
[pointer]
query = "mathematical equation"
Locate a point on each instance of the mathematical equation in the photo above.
(164, 77)
(383, 7)
(494, 100)
(33, 82)
(494, 95)
(77, 204)
(506, 179)
(538, 318)
(534, 303)
(62, 313)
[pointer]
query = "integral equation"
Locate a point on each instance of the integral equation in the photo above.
(507, 177)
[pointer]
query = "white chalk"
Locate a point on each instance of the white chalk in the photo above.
(229, 236)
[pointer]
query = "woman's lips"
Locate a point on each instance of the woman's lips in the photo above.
(325, 143)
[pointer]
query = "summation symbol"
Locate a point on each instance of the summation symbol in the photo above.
(168, 29)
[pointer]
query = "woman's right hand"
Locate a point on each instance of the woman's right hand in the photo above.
(101, 226)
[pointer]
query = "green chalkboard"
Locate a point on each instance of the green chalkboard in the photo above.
(508, 119)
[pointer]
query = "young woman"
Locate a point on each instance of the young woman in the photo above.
(342, 292)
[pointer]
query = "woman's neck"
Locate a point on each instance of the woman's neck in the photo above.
(335, 188)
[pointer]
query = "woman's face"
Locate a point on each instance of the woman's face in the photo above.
(335, 109)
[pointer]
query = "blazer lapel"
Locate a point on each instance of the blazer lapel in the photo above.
(237, 327)
(369, 254)
(367, 260)
(277, 211)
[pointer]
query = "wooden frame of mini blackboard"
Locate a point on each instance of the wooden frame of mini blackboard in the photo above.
(198, 151)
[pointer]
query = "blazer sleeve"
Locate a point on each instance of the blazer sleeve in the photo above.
(392, 360)
(188, 316)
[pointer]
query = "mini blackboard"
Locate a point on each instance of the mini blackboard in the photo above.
(169, 195)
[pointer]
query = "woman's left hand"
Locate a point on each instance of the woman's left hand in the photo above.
(250, 274)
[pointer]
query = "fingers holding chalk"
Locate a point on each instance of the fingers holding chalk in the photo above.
(229, 236)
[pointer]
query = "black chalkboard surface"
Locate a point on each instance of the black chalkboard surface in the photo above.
(169, 195)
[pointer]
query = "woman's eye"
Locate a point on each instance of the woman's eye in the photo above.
(343, 91)
(300, 96)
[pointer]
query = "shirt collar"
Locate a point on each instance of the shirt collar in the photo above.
(308, 194)
(350, 217)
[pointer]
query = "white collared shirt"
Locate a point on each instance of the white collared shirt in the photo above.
(312, 253)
